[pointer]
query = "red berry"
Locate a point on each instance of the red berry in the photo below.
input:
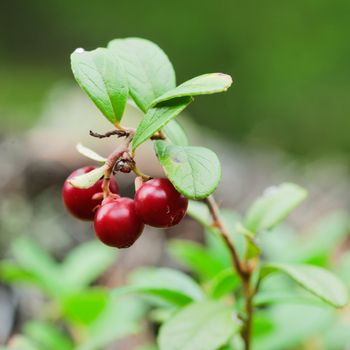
(79, 201)
(159, 204)
(117, 223)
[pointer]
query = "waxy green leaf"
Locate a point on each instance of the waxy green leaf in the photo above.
(89, 153)
(175, 133)
(194, 171)
(318, 281)
(203, 326)
(74, 270)
(100, 74)
(223, 283)
(195, 257)
(273, 206)
(150, 73)
(89, 179)
(202, 85)
(156, 118)
(168, 285)
(47, 336)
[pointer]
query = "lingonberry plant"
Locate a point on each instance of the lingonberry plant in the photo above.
(136, 69)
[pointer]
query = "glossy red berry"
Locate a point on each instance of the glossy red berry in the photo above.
(79, 201)
(159, 204)
(117, 223)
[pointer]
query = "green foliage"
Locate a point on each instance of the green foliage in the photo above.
(195, 257)
(202, 85)
(167, 285)
(194, 326)
(223, 283)
(157, 118)
(149, 71)
(46, 336)
(274, 206)
(175, 133)
(194, 171)
(317, 281)
(103, 78)
(78, 274)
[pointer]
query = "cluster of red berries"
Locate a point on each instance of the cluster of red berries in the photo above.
(119, 221)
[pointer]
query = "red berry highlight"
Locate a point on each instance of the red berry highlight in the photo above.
(159, 204)
(117, 223)
(78, 201)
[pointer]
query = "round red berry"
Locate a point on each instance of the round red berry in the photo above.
(117, 223)
(78, 201)
(159, 204)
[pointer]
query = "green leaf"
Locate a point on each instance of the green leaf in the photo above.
(156, 118)
(121, 317)
(76, 273)
(100, 74)
(252, 248)
(85, 307)
(89, 153)
(165, 284)
(12, 273)
(292, 325)
(202, 85)
(46, 336)
(225, 282)
(194, 171)
(274, 206)
(203, 326)
(318, 244)
(35, 260)
(199, 211)
(196, 257)
(175, 133)
(89, 179)
(316, 280)
(150, 73)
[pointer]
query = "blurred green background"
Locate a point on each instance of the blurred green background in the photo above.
(289, 61)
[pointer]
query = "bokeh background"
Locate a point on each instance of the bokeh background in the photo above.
(286, 117)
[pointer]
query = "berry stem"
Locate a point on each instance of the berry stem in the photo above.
(243, 270)
(138, 172)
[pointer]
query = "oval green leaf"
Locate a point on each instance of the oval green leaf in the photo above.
(196, 258)
(175, 133)
(205, 84)
(89, 179)
(76, 274)
(223, 283)
(156, 118)
(318, 281)
(150, 73)
(204, 326)
(103, 78)
(194, 171)
(273, 206)
(165, 284)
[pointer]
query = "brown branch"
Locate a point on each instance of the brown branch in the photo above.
(218, 223)
(117, 132)
(112, 160)
(243, 271)
(248, 306)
